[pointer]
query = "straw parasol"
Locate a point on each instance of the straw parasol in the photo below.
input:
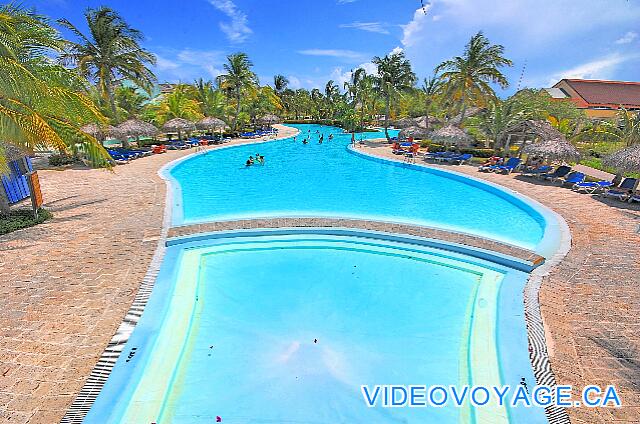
(451, 135)
(270, 119)
(137, 128)
(178, 125)
(426, 121)
(210, 123)
(553, 149)
(415, 132)
(536, 129)
(625, 160)
(102, 132)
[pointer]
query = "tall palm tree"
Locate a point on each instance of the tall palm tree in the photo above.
(211, 100)
(280, 83)
(130, 101)
(109, 53)
(177, 104)
(42, 104)
(331, 94)
(394, 76)
(468, 77)
(237, 77)
(498, 118)
(431, 88)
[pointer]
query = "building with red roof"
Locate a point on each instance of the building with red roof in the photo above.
(599, 99)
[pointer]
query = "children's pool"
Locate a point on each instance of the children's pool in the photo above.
(326, 180)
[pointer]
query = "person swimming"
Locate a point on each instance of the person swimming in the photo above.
(321, 138)
(330, 136)
(260, 158)
(304, 141)
(249, 161)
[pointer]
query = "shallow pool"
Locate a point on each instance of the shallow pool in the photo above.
(328, 181)
(286, 328)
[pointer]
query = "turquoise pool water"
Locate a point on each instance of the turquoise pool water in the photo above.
(327, 180)
(259, 329)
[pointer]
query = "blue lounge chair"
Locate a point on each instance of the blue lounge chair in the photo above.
(634, 197)
(572, 178)
(535, 172)
(591, 187)
(624, 190)
(560, 172)
(508, 167)
(460, 159)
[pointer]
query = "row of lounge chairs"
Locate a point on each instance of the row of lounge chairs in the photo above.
(259, 133)
(410, 152)
(507, 168)
(625, 190)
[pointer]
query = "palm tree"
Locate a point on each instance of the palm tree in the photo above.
(130, 101)
(394, 76)
(431, 88)
(109, 53)
(280, 83)
(211, 100)
(316, 102)
(468, 77)
(498, 118)
(238, 77)
(177, 104)
(42, 104)
(331, 94)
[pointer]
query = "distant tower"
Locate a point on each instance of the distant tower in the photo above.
(524, 67)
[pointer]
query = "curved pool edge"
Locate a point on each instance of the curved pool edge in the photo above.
(556, 236)
(174, 190)
(511, 352)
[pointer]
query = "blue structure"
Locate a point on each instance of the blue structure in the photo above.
(15, 183)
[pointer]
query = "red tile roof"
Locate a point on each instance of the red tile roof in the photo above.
(614, 93)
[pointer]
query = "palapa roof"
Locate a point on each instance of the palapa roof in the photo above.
(451, 134)
(421, 121)
(415, 132)
(470, 111)
(210, 122)
(625, 160)
(11, 151)
(178, 124)
(537, 128)
(137, 128)
(404, 123)
(557, 148)
(270, 119)
(101, 132)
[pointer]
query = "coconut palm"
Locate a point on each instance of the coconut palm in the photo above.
(331, 94)
(130, 101)
(211, 100)
(42, 104)
(498, 118)
(280, 83)
(431, 88)
(238, 76)
(467, 78)
(177, 104)
(394, 76)
(109, 53)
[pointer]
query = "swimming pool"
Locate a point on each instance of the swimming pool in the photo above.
(328, 181)
(258, 329)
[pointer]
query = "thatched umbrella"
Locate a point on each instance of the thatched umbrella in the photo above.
(554, 149)
(470, 111)
(270, 119)
(426, 121)
(625, 160)
(536, 129)
(137, 128)
(177, 125)
(415, 132)
(404, 123)
(451, 135)
(102, 132)
(210, 123)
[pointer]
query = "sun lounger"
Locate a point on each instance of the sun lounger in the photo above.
(572, 178)
(624, 190)
(560, 172)
(591, 187)
(511, 165)
(634, 197)
(459, 159)
(535, 172)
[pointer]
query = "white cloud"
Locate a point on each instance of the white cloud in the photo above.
(164, 64)
(629, 37)
(413, 31)
(367, 26)
(346, 1)
(603, 68)
(237, 30)
(343, 54)
(294, 82)
(188, 64)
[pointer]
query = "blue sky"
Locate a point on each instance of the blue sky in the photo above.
(312, 41)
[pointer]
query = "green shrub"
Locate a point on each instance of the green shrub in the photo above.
(61, 160)
(22, 218)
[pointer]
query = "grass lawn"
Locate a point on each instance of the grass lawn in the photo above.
(22, 218)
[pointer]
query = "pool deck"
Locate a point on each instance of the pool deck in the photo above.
(66, 285)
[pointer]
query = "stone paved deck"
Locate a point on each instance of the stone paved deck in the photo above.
(591, 301)
(65, 286)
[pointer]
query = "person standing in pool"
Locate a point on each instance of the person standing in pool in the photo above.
(304, 141)
(321, 138)
(330, 136)
(249, 161)
(353, 139)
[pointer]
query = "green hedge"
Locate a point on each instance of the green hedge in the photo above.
(22, 218)
(476, 152)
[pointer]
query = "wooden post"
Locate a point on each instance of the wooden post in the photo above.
(34, 192)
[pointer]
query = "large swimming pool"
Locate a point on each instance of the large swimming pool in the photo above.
(326, 180)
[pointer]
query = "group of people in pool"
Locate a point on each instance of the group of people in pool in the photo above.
(252, 161)
(308, 137)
